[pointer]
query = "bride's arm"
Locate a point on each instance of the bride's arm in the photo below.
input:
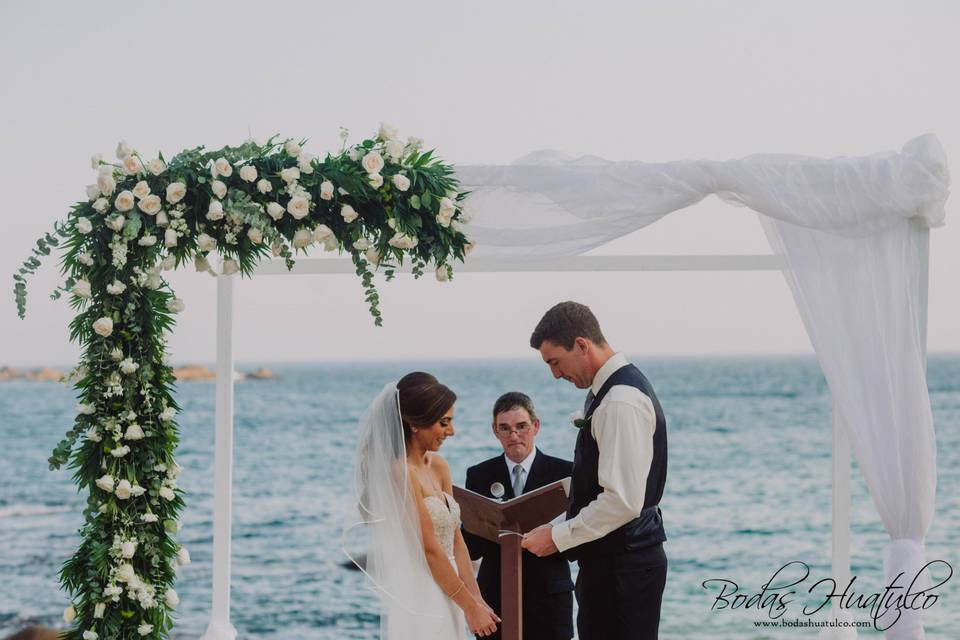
(460, 552)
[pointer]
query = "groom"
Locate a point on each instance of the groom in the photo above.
(613, 526)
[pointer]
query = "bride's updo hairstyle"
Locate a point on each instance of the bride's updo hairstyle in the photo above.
(423, 401)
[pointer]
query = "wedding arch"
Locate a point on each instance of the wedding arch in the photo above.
(851, 236)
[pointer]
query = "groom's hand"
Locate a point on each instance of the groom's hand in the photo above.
(539, 541)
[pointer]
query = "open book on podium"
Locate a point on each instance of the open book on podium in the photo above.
(486, 517)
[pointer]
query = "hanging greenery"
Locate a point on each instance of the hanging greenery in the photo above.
(382, 201)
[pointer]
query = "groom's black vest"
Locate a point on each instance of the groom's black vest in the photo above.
(644, 530)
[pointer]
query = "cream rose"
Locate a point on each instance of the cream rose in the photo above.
(100, 205)
(145, 629)
(162, 219)
(170, 238)
(298, 207)
(106, 183)
(84, 225)
(125, 573)
(128, 366)
(223, 168)
(264, 186)
(116, 287)
(372, 162)
(302, 238)
(275, 210)
(151, 205)
(372, 256)
(128, 549)
(183, 556)
(123, 487)
(387, 132)
(103, 326)
(206, 243)
(375, 180)
(147, 241)
(105, 482)
(394, 150)
(401, 240)
(322, 232)
(82, 288)
(401, 182)
(362, 244)
(248, 173)
(443, 273)
(93, 191)
(230, 267)
(215, 210)
(167, 493)
(176, 305)
(292, 148)
(116, 222)
(119, 452)
(219, 188)
(171, 598)
(290, 174)
(124, 201)
(132, 165)
(255, 235)
(348, 213)
(123, 150)
(141, 189)
(134, 432)
(156, 166)
(326, 190)
(86, 409)
(176, 192)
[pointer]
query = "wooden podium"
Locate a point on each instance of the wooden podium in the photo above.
(504, 523)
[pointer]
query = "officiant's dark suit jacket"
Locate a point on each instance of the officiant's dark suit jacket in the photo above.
(547, 588)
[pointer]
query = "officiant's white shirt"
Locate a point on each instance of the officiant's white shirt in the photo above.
(526, 463)
(623, 426)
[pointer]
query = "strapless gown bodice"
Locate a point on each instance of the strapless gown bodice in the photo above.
(445, 514)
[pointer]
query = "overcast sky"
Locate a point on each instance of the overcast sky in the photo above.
(482, 83)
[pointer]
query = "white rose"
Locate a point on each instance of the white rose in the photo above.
(147, 241)
(298, 207)
(100, 205)
(85, 259)
(171, 598)
(414, 143)
(116, 222)
(128, 549)
(99, 609)
(175, 470)
(151, 205)
(215, 210)
(326, 190)
(248, 173)
(95, 160)
(443, 273)
(183, 557)
(201, 264)
(124, 201)
(169, 238)
(93, 435)
(90, 634)
(290, 174)
(447, 208)
(401, 182)
(86, 409)
(275, 210)
(219, 188)
(141, 189)
(322, 232)
(116, 287)
(103, 326)
(167, 493)
(162, 219)
(348, 214)
(134, 432)
(123, 487)
(119, 452)
(149, 517)
(292, 148)
(125, 573)
(169, 262)
(132, 165)
(176, 305)
(106, 183)
(117, 354)
(362, 244)
(230, 267)
(387, 132)
(255, 235)
(123, 150)
(302, 238)
(394, 150)
(84, 225)
(128, 366)
(167, 414)
(264, 186)
(305, 163)
(223, 168)
(330, 244)
(82, 289)
(93, 191)
(156, 166)
(69, 614)
(137, 491)
(106, 483)
(401, 240)
(372, 256)
(372, 162)
(175, 192)
(145, 629)
(206, 243)
(375, 180)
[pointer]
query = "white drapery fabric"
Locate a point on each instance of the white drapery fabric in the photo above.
(851, 233)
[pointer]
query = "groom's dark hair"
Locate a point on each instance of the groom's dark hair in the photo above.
(423, 400)
(564, 323)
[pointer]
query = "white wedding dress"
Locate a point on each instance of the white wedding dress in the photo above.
(382, 517)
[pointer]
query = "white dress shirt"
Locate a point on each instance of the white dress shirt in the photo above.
(623, 426)
(526, 463)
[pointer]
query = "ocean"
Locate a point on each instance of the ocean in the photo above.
(748, 491)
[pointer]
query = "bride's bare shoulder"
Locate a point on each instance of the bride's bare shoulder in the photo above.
(439, 466)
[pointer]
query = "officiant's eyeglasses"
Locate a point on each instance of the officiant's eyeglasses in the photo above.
(520, 429)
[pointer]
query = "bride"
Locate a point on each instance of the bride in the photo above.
(416, 557)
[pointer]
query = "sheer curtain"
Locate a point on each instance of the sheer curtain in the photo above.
(851, 232)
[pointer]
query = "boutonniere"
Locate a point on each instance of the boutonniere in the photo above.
(577, 420)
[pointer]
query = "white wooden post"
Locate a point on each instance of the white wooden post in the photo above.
(220, 627)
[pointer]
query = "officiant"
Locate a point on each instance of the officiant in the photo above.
(547, 588)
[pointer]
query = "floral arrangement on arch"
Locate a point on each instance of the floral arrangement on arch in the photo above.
(383, 201)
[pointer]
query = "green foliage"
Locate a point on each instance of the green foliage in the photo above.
(123, 383)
